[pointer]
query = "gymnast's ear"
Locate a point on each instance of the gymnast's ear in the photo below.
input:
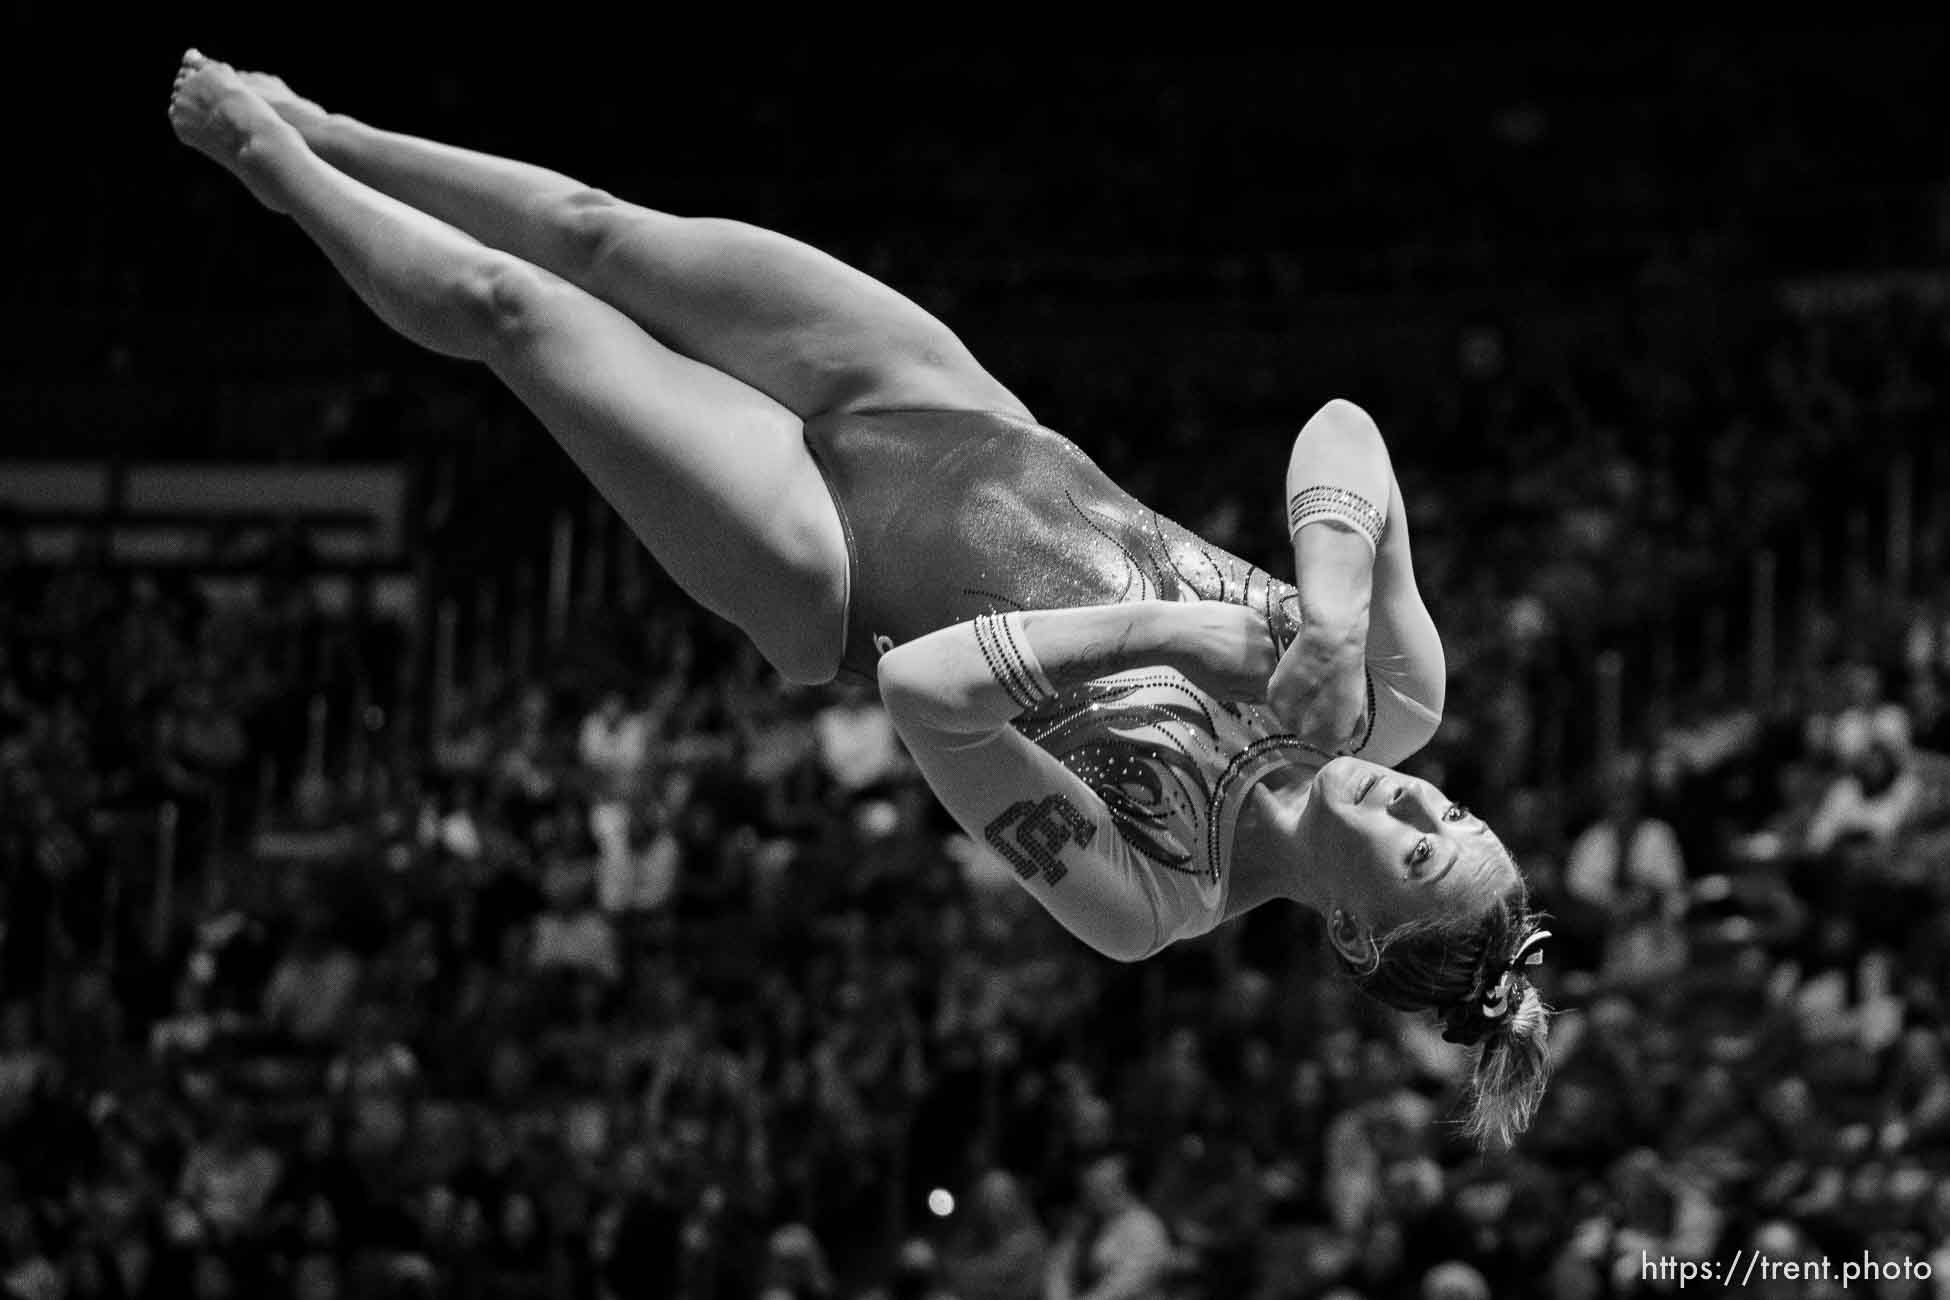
(1352, 938)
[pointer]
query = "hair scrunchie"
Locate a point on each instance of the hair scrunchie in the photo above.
(1473, 1017)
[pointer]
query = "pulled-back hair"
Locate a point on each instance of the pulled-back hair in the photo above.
(1448, 965)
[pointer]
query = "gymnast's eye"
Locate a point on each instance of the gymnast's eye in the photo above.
(1456, 812)
(1423, 849)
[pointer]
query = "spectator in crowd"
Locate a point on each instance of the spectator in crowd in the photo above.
(1865, 717)
(613, 747)
(573, 936)
(373, 1084)
(463, 745)
(796, 1267)
(1872, 797)
(999, 1249)
(227, 1181)
(916, 1275)
(527, 771)
(858, 746)
(315, 985)
(1454, 1281)
(28, 1069)
(1926, 708)
(1116, 1245)
(1209, 1189)
(1627, 863)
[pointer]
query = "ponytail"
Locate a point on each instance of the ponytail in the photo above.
(1471, 972)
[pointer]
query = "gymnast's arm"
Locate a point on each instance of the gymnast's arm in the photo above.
(1359, 604)
(953, 693)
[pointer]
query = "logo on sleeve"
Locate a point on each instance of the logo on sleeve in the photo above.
(1031, 835)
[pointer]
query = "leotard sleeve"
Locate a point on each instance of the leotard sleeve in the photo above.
(1407, 671)
(952, 695)
(1340, 478)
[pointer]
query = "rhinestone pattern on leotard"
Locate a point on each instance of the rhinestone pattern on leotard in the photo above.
(1171, 763)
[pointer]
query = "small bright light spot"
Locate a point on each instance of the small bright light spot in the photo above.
(942, 1202)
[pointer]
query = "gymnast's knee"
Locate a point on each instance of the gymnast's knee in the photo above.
(500, 302)
(469, 309)
(583, 225)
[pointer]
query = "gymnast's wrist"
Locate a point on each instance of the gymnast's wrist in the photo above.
(1159, 631)
(1336, 605)
(1333, 637)
(328, 133)
(1084, 643)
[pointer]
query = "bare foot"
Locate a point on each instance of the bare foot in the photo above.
(215, 113)
(284, 101)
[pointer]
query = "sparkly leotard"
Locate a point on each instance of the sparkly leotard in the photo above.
(952, 515)
(1172, 767)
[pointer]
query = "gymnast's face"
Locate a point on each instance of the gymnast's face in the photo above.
(1401, 849)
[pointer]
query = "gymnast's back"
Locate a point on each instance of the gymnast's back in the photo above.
(951, 514)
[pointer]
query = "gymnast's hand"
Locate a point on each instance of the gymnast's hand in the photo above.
(1320, 686)
(1226, 650)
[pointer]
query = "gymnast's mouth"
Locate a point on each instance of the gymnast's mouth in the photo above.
(1361, 791)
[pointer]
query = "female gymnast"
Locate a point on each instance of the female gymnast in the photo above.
(1155, 735)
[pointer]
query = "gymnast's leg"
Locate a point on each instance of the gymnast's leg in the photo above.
(712, 474)
(815, 334)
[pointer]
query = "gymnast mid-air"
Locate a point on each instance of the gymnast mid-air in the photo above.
(1154, 734)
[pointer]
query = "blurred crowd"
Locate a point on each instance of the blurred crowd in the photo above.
(676, 982)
